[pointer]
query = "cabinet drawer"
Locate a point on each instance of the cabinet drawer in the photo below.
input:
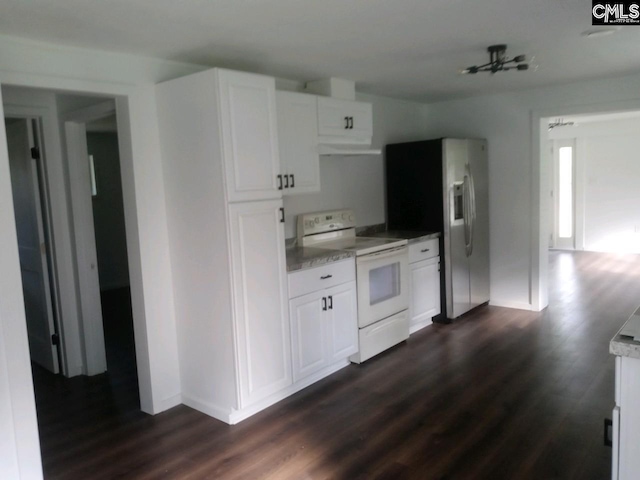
(423, 250)
(317, 278)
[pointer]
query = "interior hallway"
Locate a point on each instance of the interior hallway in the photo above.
(499, 394)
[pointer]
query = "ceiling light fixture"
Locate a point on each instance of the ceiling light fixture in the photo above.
(499, 62)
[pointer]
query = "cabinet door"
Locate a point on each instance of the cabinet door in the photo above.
(342, 321)
(425, 291)
(308, 342)
(298, 142)
(249, 134)
(259, 299)
(345, 119)
(362, 119)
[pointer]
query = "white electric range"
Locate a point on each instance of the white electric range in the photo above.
(382, 269)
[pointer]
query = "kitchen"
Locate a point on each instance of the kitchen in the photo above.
(405, 120)
(264, 144)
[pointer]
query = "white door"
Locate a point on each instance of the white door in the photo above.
(425, 291)
(342, 321)
(564, 193)
(260, 299)
(249, 135)
(25, 183)
(308, 339)
(298, 142)
(87, 257)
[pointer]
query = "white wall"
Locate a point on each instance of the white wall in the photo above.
(511, 124)
(607, 184)
(130, 79)
(357, 182)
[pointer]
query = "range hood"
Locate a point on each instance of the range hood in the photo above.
(324, 149)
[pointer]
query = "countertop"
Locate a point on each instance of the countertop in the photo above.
(299, 258)
(411, 236)
(625, 346)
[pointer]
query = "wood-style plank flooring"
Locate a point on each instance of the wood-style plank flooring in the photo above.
(498, 394)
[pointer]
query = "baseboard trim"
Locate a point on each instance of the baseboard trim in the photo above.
(233, 416)
(170, 402)
(208, 408)
(515, 305)
(238, 415)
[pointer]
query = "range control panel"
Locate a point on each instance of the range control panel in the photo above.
(321, 222)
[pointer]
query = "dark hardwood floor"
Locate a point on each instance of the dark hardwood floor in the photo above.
(498, 394)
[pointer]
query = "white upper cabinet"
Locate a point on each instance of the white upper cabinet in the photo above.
(249, 135)
(344, 121)
(298, 142)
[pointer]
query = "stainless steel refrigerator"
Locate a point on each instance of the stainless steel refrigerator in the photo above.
(442, 185)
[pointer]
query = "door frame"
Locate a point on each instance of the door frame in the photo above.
(44, 227)
(74, 133)
(63, 277)
(541, 172)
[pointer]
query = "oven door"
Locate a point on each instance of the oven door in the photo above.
(383, 280)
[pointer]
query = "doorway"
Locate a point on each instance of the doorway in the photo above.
(33, 228)
(91, 143)
(60, 400)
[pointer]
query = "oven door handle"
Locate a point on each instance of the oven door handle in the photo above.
(370, 257)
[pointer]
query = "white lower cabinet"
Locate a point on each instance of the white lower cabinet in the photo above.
(309, 349)
(424, 294)
(625, 463)
(324, 323)
(260, 299)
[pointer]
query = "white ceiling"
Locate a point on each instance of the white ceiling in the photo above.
(400, 48)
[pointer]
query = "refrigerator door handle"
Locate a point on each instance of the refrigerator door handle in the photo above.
(472, 204)
(466, 208)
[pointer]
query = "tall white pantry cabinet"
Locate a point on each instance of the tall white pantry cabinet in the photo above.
(219, 143)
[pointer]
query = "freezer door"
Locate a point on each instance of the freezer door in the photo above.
(479, 258)
(456, 201)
